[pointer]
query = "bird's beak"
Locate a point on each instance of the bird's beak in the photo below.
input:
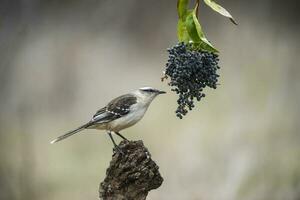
(161, 92)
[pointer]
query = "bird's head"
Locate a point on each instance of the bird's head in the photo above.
(148, 93)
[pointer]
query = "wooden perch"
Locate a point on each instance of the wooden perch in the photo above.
(130, 176)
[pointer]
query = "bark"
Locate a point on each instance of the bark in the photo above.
(131, 175)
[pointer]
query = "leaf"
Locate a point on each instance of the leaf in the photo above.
(182, 33)
(191, 28)
(195, 32)
(216, 7)
(182, 8)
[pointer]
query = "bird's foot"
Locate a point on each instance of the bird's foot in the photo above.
(118, 149)
(121, 136)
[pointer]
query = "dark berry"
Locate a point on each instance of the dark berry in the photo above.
(190, 72)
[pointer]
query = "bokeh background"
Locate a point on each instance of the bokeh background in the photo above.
(61, 60)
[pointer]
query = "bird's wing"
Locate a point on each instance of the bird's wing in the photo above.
(115, 109)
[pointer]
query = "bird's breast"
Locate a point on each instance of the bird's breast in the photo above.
(135, 115)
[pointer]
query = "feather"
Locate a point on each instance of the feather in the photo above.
(70, 133)
(115, 109)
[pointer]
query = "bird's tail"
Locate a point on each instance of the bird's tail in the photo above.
(70, 133)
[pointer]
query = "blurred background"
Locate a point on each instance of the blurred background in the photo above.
(61, 60)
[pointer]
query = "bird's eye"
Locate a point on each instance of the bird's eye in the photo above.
(149, 90)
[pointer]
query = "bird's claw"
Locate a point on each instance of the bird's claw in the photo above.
(117, 148)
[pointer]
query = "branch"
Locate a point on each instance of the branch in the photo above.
(132, 175)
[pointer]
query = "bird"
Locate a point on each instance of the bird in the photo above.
(120, 113)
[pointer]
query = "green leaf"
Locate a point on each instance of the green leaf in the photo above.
(216, 7)
(182, 33)
(182, 8)
(191, 27)
(195, 32)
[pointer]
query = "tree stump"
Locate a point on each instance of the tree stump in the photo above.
(131, 175)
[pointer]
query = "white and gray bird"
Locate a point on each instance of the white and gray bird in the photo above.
(120, 113)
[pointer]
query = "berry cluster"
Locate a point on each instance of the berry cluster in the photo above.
(190, 72)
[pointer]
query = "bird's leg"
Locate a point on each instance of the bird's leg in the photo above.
(115, 145)
(119, 134)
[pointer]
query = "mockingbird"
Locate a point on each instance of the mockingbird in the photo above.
(120, 113)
